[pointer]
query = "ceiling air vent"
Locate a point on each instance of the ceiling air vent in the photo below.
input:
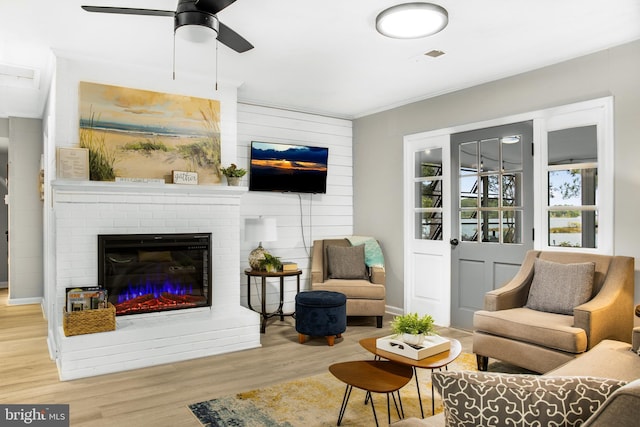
(18, 77)
(434, 53)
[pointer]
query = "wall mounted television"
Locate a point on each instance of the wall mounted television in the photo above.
(288, 168)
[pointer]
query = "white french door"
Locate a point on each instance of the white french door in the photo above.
(427, 225)
(573, 208)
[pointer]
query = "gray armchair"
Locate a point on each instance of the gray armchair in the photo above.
(508, 330)
(366, 296)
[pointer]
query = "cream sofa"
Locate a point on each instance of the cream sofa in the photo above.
(365, 297)
(609, 359)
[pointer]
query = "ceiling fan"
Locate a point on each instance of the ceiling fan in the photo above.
(190, 12)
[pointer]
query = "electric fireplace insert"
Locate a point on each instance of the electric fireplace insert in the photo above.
(145, 273)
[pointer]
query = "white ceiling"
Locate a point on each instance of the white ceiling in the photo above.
(319, 56)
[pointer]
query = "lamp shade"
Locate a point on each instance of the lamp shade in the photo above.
(260, 230)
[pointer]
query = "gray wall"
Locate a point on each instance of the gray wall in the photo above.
(4, 212)
(378, 143)
(26, 282)
(4, 221)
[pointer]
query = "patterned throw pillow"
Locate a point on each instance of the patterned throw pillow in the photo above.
(346, 262)
(558, 288)
(473, 399)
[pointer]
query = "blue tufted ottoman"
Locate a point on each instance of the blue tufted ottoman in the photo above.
(321, 314)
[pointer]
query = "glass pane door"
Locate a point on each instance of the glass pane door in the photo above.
(490, 190)
(428, 194)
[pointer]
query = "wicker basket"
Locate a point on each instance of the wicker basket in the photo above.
(89, 321)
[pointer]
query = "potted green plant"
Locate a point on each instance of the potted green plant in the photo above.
(413, 328)
(233, 174)
(270, 263)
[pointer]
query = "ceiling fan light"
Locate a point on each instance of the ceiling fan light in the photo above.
(196, 26)
(196, 33)
(412, 20)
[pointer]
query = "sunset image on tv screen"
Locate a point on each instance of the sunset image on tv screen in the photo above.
(286, 167)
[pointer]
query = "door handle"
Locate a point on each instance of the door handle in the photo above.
(454, 242)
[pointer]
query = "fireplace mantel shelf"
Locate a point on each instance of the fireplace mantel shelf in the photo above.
(101, 187)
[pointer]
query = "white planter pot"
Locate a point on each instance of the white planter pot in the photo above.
(413, 339)
(233, 180)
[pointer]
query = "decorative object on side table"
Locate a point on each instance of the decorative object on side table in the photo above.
(233, 174)
(289, 266)
(259, 230)
(270, 263)
(413, 328)
(431, 345)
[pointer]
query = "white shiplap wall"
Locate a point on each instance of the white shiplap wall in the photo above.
(301, 218)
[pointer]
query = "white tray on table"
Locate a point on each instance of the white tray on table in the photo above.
(433, 344)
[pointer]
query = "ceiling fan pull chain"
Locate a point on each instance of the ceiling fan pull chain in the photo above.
(217, 64)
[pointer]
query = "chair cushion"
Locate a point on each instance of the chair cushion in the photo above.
(483, 399)
(536, 327)
(607, 359)
(353, 289)
(346, 262)
(558, 288)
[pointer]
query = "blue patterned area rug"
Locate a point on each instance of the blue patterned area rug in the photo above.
(315, 402)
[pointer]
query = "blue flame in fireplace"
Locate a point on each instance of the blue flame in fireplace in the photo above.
(156, 289)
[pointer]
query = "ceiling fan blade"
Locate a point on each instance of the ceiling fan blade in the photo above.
(232, 39)
(213, 6)
(129, 11)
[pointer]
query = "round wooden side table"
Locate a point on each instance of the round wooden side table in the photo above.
(372, 376)
(263, 275)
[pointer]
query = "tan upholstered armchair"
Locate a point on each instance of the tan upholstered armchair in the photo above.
(365, 292)
(509, 329)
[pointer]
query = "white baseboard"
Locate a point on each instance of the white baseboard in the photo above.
(396, 311)
(24, 301)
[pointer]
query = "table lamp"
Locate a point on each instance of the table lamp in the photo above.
(259, 230)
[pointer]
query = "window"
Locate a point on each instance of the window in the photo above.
(490, 190)
(428, 188)
(572, 202)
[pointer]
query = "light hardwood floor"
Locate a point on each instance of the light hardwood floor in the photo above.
(158, 396)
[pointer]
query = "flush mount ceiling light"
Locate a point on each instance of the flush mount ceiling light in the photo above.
(412, 20)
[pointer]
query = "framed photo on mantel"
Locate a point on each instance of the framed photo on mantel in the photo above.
(72, 163)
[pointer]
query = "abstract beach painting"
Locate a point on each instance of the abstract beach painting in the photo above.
(133, 133)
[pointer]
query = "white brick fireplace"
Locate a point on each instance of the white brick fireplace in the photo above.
(82, 210)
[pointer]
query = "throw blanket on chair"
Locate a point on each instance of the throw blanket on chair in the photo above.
(372, 252)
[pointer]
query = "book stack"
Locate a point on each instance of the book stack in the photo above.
(289, 266)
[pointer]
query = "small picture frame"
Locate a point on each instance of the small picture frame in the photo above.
(72, 163)
(187, 178)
